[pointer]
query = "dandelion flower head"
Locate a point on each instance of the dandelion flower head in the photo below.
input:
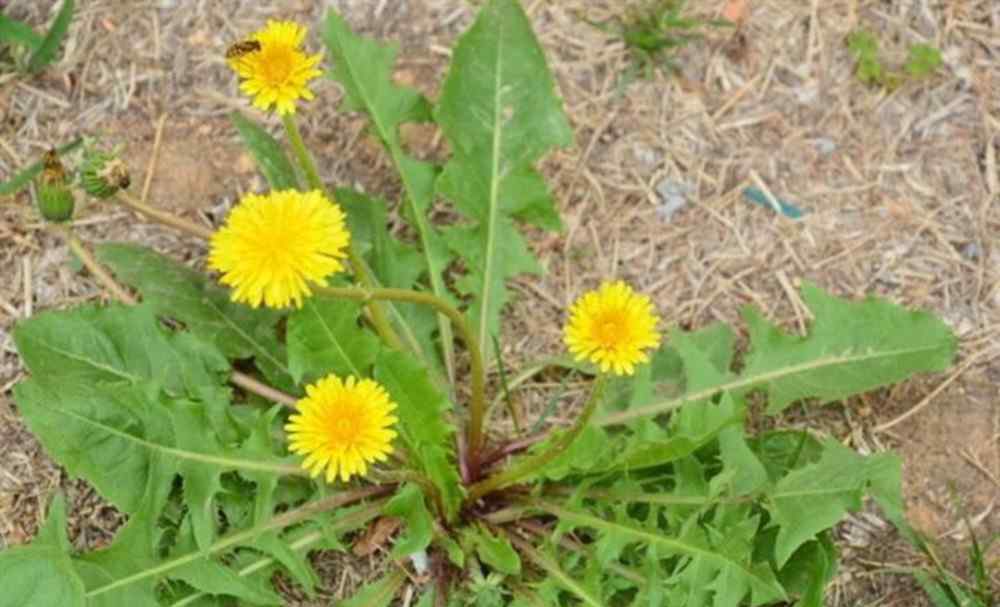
(275, 70)
(273, 246)
(612, 327)
(341, 427)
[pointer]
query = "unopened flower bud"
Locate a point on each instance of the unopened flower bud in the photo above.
(55, 198)
(103, 174)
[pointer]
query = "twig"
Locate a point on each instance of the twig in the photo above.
(150, 168)
(94, 267)
(930, 397)
(251, 384)
(167, 219)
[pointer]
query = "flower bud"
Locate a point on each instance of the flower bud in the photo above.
(55, 198)
(103, 174)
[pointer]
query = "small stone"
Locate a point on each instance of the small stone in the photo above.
(645, 155)
(971, 251)
(673, 198)
(825, 145)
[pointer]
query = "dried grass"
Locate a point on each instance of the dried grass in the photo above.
(901, 188)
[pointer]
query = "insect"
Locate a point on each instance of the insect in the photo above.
(52, 168)
(241, 48)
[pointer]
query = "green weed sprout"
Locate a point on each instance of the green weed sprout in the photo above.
(653, 34)
(922, 62)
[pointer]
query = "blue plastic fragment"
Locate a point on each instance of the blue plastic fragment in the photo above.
(786, 208)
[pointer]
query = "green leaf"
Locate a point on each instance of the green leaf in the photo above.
(42, 574)
(21, 180)
(46, 51)
(113, 344)
(500, 114)
(809, 571)
(53, 532)
(111, 434)
(558, 575)
(325, 336)
(211, 576)
(136, 549)
(283, 551)
(268, 153)
(736, 455)
(648, 445)
(378, 594)
(816, 497)
(758, 578)
(93, 399)
(12, 30)
(123, 571)
(176, 291)
(409, 505)
(365, 70)
(494, 551)
(422, 411)
(851, 347)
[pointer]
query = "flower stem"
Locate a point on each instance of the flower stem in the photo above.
(379, 320)
(477, 404)
(167, 219)
(104, 277)
(532, 465)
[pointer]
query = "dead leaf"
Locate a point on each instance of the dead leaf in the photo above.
(377, 535)
(736, 11)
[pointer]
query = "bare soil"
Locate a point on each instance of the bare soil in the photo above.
(901, 189)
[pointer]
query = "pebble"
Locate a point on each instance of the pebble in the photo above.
(825, 145)
(673, 197)
(971, 251)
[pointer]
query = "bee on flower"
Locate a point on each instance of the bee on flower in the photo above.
(612, 327)
(274, 68)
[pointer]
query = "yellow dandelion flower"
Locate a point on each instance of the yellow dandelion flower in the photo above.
(341, 427)
(612, 327)
(274, 69)
(273, 246)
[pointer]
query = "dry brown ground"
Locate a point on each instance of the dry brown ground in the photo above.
(901, 187)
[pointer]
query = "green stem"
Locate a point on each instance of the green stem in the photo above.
(532, 465)
(378, 317)
(477, 404)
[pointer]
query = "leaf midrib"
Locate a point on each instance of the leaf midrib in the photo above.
(85, 360)
(746, 382)
(333, 339)
(488, 270)
(222, 462)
